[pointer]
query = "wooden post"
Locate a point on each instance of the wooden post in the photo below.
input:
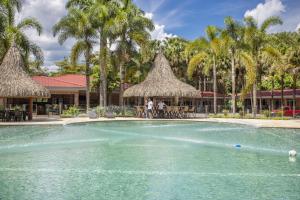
(30, 109)
(76, 99)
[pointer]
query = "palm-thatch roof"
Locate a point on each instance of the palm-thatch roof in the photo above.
(161, 82)
(14, 81)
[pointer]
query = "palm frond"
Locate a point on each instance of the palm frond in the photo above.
(195, 62)
(30, 23)
(271, 21)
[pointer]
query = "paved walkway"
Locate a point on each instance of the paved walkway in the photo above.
(252, 122)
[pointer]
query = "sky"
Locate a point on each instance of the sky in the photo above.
(182, 18)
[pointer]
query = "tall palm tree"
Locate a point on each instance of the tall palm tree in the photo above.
(256, 40)
(103, 13)
(77, 25)
(131, 30)
(293, 59)
(235, 32)
(11, 32)
(210, 51)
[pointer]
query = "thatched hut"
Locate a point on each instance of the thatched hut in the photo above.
(16, 83)
(161, 82)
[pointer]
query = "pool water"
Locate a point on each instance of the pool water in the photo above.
(148, 160)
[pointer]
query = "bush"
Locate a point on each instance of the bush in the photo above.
(279, 113)
(266, 113)
(225, 112)
(72, 111)
(241, 114)
(100, 111)
(115, 111)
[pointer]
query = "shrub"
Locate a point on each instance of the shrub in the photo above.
(100, 111)
(115, 111)
(279, 113)
(266, 113)
(72, 111)
(241, 113)
(225, 112)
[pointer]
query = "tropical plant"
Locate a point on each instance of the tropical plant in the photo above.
(131, 30)
(256, 42)
(234, 31)
(10, 32)
(174, 50)
(77, 24)
(209, 53)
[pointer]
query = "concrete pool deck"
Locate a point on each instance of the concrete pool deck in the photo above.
(294, 124)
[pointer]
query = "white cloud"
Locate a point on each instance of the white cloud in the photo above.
(159, 32)
(298, 27)
(48, 13)
(265, 10)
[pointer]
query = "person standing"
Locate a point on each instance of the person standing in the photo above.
(149, 108)
(161, 106)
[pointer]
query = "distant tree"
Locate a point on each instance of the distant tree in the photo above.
(10, 32)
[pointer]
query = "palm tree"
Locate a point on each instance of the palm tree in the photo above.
(234, 31)
(256, 40)
(77, 25)
(209, 50)
(293, 59)
(131, 29)
(11, 32)
(104, 12)
(174, 50)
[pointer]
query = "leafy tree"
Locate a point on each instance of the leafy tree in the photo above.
(77, 25)
(10, 32)
(234, 31)
(210, 52)
(131, 30)
(257, 43)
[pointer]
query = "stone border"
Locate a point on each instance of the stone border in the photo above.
(291, 124)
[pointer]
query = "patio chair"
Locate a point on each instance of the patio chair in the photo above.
(139, 111)
(176, 112)
(18, 115)
(192, 112)
(2, 115)
(185, 111)
(169, 112)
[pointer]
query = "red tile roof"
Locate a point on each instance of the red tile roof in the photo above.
(64, 81)
(286, 92)
(209, 94)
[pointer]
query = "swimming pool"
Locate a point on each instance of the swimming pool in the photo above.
(148, 160)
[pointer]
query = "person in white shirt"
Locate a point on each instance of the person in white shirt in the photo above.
(161, 106)
(149, 108)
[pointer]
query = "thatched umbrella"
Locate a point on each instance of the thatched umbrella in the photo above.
(161, 82)
(15, 82)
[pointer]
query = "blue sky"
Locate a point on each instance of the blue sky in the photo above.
(189, 18)
(185, 18)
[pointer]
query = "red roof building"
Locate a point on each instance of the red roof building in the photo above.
(69, 81)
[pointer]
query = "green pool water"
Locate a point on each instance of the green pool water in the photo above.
(148, 160)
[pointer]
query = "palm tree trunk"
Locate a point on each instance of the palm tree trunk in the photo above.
(294, 93)
(254, 111)
(233, 95)
(122, 74)
(215, 84)
(122, 81)
(87, 75)
(103, 80)
(282, 88)
(272, 94)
